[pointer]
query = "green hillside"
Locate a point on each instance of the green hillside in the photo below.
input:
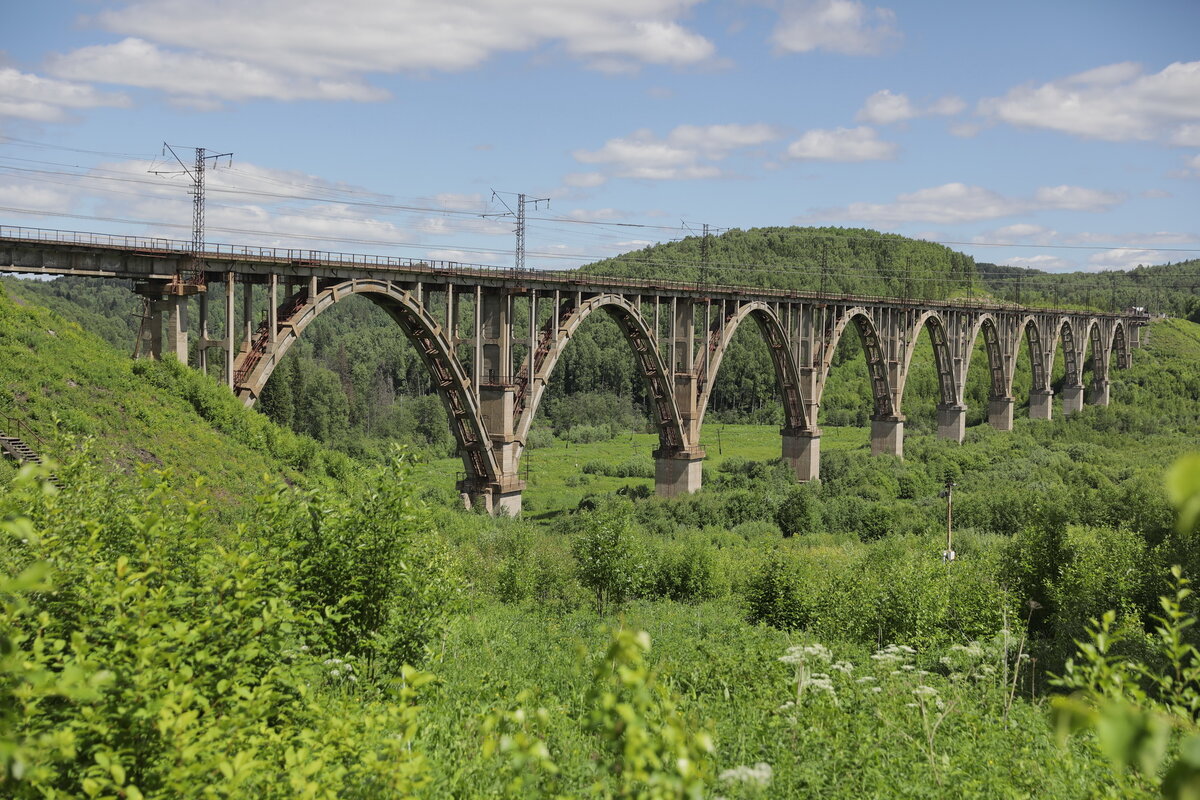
(60, 383)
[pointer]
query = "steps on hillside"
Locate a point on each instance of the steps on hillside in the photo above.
(15, 448)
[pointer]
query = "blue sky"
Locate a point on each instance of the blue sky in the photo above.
(1067, 132)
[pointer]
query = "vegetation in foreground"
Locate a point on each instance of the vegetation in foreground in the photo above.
(350, 635)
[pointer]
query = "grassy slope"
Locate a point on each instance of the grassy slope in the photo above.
(63, 383)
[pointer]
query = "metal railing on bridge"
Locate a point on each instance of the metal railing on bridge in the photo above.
(324, 258)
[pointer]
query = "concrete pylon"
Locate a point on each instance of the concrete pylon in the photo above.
(802, 452)
(1000, 413)
(1099, 393)
(952, 422)
(678, 473)
(1041, 404)
(1072, 400)
(887, 436)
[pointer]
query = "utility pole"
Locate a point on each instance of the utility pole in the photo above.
(704, 251)
(192, 280)
(948, 554)
(519, 214)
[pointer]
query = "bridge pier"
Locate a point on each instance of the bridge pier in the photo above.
(165, 328)
(1099, 393)
(1000, 413)
(887, 436)
(802, 452)
(1041, 404)
(678, 472)
(952, 422)
(1072, 400)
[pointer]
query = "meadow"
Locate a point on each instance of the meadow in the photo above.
(211, 605)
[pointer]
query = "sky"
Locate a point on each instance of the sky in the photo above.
(1058, 135)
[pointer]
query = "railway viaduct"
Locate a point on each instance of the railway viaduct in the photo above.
(492, 372)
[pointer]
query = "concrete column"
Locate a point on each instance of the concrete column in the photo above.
(273, 307)
(507, 503)
(1000, 413)
(248, 315)
(887, 436)
(202, 325)
(1072, 400)
(677, 473)
(1099, 393)
(1041, 404)
(174, 319)
(952, 422)
(154, 329)
(802, 452)
(230, 349)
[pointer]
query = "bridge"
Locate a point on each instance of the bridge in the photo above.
(492, 370)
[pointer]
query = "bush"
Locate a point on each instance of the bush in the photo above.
(800, 511)
(604, 556)
(139, 659)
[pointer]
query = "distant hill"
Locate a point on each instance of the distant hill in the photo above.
(847, 260)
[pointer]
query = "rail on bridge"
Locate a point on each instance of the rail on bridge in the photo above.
(491, 338)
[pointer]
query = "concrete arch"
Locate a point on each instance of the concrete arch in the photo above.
(1118, 344)
(254, 367)
(949, 391)
(1032, 334)
(558, 332)
(776, 340)
(1064, 333)
(1000, 382)
(881, 389)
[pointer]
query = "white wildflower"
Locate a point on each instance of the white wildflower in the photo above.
(844, 667)
(758, 775)
(333, 673)
(865, 679)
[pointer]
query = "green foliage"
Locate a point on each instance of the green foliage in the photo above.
(370, 561)
(652, 753)
(800, 512)
(605, 560)
(160, 665)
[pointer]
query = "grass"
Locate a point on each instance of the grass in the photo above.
(552, 474)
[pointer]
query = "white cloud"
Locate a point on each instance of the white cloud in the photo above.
(1020, 232)
(1186, 136)
(837, 26)
(957, 202)
(687, 152)
(1118, 102)
(584, 180)
(1127, 258)
(33, 97)
(1042, 262)
(196, 79)
(885, 108)
(843, 144)
(313, 49)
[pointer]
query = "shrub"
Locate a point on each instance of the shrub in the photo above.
(604, 556)
(800, 511)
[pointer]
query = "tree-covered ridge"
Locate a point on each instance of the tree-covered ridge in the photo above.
(845, 260)
(1172, 289)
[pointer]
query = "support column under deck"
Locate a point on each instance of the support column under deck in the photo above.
(1041, 404)
(1072, 400)
(175, 326)
(952, 422)
(1000, 413)
(802, 452)
(887, 436)
(1099, 394)
(678, 473)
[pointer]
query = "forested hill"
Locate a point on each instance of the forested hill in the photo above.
(849, 260)
(1172, 289)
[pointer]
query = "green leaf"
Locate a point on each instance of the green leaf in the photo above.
(1183, 488)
